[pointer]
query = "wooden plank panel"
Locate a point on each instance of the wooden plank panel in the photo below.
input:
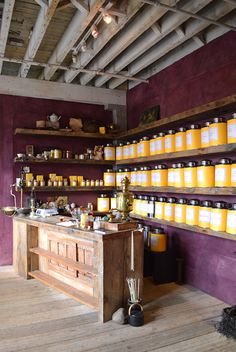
(215, 191)
(81, 134)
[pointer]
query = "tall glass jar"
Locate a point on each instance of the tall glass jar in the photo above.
(193, 137)
(180, 139)
(218, 131)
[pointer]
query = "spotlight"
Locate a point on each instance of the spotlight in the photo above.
(107, 18)
(95, 32)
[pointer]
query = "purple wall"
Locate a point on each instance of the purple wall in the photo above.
(203, 76)
(23, 112)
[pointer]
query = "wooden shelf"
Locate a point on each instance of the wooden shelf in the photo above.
(220, 106)
(229, 191)
(224, 148)
(62, 260)
(58, 133)
(67, 189)
(70, 291)
(65, 161)
(186, 227)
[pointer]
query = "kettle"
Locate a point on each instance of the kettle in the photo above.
(135, 315)
(54, 118)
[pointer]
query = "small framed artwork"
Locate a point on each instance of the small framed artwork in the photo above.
(29, 150)
(150, 115)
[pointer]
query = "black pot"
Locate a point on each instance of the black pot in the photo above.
(135, 315)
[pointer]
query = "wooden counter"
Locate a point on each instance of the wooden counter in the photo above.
(91, 267)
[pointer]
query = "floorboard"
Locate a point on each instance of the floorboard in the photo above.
(37, 318)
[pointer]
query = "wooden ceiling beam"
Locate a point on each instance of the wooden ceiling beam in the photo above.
(44, 17)
(5, 25)
(41, 3)
(80, 5)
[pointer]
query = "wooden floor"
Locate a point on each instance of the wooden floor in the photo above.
(36, 318)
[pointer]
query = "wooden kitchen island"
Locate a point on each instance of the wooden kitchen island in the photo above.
(90, 267)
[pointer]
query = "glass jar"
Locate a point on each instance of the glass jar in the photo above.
(146, 177)
(126, 173)
(144, 147)
(113, 201)
(103, 203)
(101, 183)
(153, 145)
(170, 141)
(49, 183)
(139, 176)
(35, 183)
(65, 182)
(92, 183)
(192, 212)
(60, 183)
(204, 219)
(134, 177)
(218, 216)
(126, 150)
(119, 152)
(159, 176)
(169, 209)
(119, 176)
(180, 139)
(218, 131)
(223, 173)
(159, 208)
(231, 129)
(138, 208)
(180, 210)
(193, 137)
(57, 154)
(84, 216)
(233, 174)
(160, 143)
(190, 174)
(97, 183)
(231, 219)
(171, 175)
(205, 138)
(205, 174)
(109, 152)
(87, 183)
(109, 178)
(151, 207)
(158, 240)
(179, 175)
(133, 149)
(144, 206)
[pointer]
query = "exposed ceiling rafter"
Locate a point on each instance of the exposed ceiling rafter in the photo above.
(41, 3)
(5, 25)
(80, 5)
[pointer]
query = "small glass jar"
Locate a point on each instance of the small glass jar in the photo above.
(204, 219)
(205, 174)
(134, 176)
(190, 174)
(101, 183)
(144, 147)
(193, 137)
(92, 183)
(138, 208)
(113, 201)
(169, 209)
(160, 143)
(205, 138)
(119, 152)
(109, 178)
(55, 183)
(97, 183)
(146, 177)
(87, 183)
(126, 150)
(119, 176)
(49, 183)
(171, 175)
(57, 154)
(42, 183)
(159, 176)
(60, 183)
(153, 140)
(103, 204)
(159, 208)
(109, 152)
(180, 210)
(223, 173)
(192, 212)
(65, 182)
(158, 240)
(179, 175)
(35, 183)
(133, 149)
(231, 219)
(151, 207)
(231, 129)
(83, 183)
(180, 139)
(170, 141)
(218, 216)
(218, 131)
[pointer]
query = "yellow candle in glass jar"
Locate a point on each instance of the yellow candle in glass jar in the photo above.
(205, 174)
(193, 137)
(218, 216)
(205, 138)
(169, 209)
(231, 129)
(159, 176)
(159, 208)
(180, 139)
(190, 174)
(119, 151)
(223, 173)
(180, 210)
(170, 141)
(231, 220)
(218, 132)
(204, 218)
(192, 212)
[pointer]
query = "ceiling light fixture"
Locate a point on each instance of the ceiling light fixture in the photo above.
(107, 18)
(95, 32)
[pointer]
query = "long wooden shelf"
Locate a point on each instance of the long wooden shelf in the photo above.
(64, 161)
(220, 106)
(67, 189)
(70, 291)
(224, 148)
(59, 133)
(186, 227)
(62, 260)
(185, 190)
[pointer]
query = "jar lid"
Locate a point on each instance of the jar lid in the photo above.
(220, 205)
(153, 198)
(115, 195)
(146, 228)
(120, 145)
(193, 202)
(127, 143)
(160, 167)
(171, 200)
(109, 170)
(218, 119)
(120, 170)
(194, 127)
(146, 168)
(158, 230)
(232, 206)
(182, 129)
(180, 165)
(192, 164)
(234, 115)
(207, 124)
(145, 138)
(141, 168)
(205, 162)
(174, 166)
(154, 136)
(161, 199)
(135, 169)
(140, 197)
(109, 145)
(225, 161)
(146, 197)
(140, 140)
(171, 132)
(182, 201)
(134, 142)
(161, 134)
(126, 170)
(103, 195)
(206, 203)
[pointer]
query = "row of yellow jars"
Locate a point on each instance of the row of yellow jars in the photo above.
(157, 145)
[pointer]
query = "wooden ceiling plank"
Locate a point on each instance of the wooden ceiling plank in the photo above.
(80, 5)
(41, 3)
(5, 25)
(45, 15)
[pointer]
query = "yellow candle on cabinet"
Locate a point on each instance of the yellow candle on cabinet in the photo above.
(133, 149)
(144, 147)
(109, 152)
(119, 151)
(109, 178)
(159, 208)
(160, 143)
(179, 175)
(233, 175)
(103, 203)
(169, 209)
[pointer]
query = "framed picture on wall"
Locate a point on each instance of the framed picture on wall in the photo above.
(150, 115)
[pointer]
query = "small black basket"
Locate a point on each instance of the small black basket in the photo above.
(227, 325)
